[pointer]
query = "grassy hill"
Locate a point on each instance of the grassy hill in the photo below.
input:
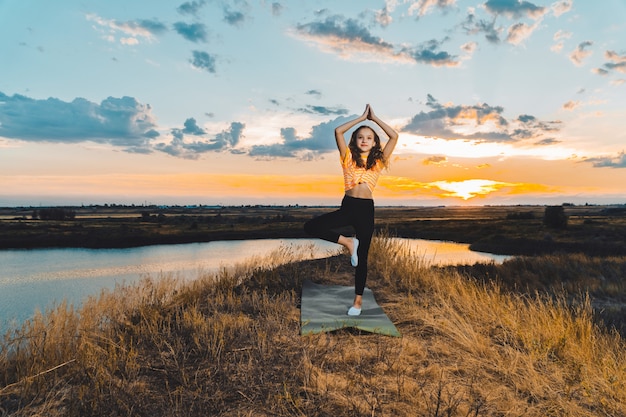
(517, 339)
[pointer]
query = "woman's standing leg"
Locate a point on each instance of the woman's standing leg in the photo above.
(364, 226)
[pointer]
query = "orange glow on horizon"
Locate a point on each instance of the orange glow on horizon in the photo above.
(225, 187)
(464, 189)
(222, 185)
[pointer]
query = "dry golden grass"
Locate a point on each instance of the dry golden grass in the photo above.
(228, 344)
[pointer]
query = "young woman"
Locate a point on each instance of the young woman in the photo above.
(362, 161)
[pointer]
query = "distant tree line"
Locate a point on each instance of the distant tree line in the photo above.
(54, 213)
(152, 218)
(148, 217)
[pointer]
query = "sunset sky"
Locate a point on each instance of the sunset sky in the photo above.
(235, 102)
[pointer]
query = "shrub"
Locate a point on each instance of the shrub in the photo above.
(54, 213)
(555, 217)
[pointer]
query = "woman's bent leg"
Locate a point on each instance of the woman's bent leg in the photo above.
(323, 226)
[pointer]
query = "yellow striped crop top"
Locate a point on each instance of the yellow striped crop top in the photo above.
(354, 175)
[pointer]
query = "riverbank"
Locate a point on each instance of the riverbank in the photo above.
(505, 230)
(473, 343)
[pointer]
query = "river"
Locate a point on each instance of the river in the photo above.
(39, 278)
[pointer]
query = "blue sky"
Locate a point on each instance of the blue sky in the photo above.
(235, 102)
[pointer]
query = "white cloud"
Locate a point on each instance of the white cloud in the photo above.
(558, 37)
(422, 7)
(560, 34)
(134, 29)
(571, 105)
(557, 47)
(129, 41)
(561, 7)
(578, 55)
(469, 47)
(383, 17)
(520, 31)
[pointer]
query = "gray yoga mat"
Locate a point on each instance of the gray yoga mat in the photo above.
(324, 308)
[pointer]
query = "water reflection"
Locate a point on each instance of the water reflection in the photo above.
(436, 252)
(36, 279)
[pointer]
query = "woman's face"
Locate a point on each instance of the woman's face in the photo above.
(365, 139)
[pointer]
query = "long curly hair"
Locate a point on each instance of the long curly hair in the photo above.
(375, 155)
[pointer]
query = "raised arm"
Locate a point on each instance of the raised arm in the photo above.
(341, 130)
(392, 134)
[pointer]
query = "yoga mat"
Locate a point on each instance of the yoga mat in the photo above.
(324, 308)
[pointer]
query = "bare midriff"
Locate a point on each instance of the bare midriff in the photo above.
(361, 190)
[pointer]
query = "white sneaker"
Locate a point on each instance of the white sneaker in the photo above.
(354, 257)
(353, 311)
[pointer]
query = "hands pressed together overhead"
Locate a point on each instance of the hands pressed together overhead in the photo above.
(368, 114)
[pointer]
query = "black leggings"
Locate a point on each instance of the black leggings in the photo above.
(355, 212)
